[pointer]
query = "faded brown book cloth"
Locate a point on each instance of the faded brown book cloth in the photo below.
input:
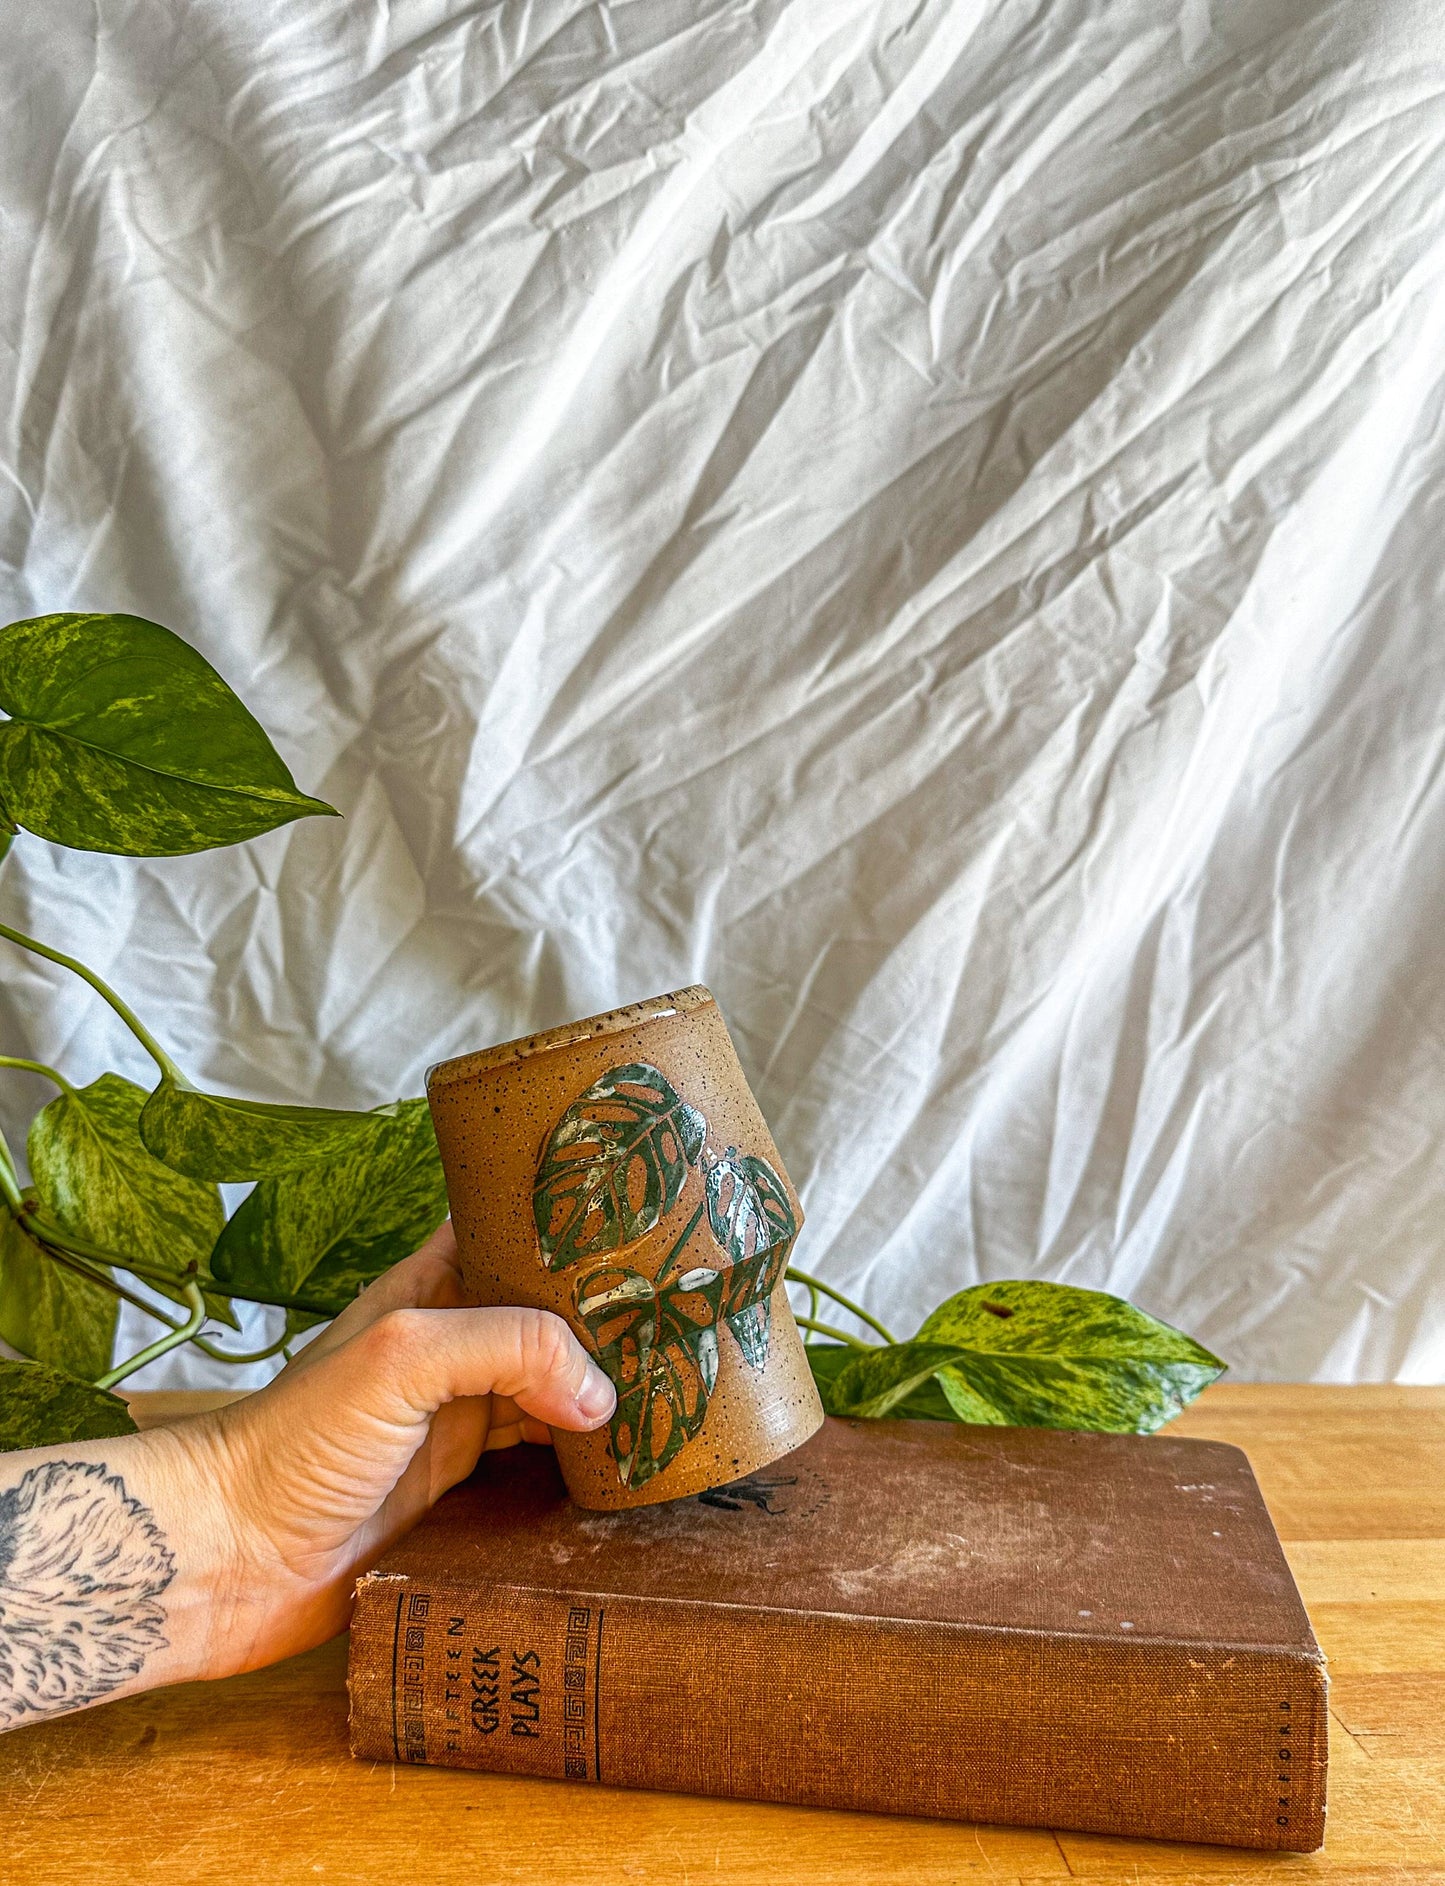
(1065, 1629)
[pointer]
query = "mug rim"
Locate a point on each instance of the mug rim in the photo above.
(613, 1021)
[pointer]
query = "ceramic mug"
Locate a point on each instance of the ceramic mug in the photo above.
(618, 1171)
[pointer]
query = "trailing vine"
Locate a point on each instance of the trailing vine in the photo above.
(121, 738)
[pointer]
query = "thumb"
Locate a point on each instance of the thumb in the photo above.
(426, 1358)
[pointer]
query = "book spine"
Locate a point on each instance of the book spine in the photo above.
(957, 1721)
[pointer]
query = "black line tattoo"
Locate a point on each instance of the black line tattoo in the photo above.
(81, 1567)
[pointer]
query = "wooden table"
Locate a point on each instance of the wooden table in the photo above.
(250, 1781)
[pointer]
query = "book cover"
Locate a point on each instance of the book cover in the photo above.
(1072, 1630)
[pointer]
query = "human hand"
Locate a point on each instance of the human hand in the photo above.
(267, 1510)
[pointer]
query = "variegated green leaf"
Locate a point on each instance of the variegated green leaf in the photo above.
(49, 1312)
(660, 1349)
(613, 1165)
(876, 1382)
(298, 1321)
(94, 1176)
(212, 1136)
(41, 1407)
(1053, 1355)
(325, 1233)
(122, 738)
(925, 1402)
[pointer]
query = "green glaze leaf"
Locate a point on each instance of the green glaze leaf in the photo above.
(211, 1136)
(753, 1222)
(41, 1407)
(827, 1360)
(752, 1329)
(325, 1233)
(613, 1165)
(96, 1179)
(1055, 1356)
(748, 1206)
(747, 1309)
(49, 1312)
(660, 1349)
(122, 738)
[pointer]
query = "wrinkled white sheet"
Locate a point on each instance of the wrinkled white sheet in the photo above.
(925, 515)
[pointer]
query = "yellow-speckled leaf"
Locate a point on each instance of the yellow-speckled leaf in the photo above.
(323, 1234)
(41, 1407)
(122, 738)
(212, 1136)
(878, 1382)
(926, 1402)
(1056, 1356)
(95, 1177)
(49, 1312)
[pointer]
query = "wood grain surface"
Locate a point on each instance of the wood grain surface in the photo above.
(250, 1781)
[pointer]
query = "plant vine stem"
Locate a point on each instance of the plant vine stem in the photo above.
(277, 1302)
(18, 1207)
(221, 1355)
(838, 1335)
(56, 1236)
(38, 1067)
(9, 1177)
(171, 1340)
(92, 1273)
(103, 989)
(795, 1276)
(50, 1233)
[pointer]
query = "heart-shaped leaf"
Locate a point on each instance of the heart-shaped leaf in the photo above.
(613, 1165)
(660, 1349)
(211, 1136)
(122, 738)
(926, 1402)
(877, 1382)
(94, 1176)
(41, 1407)
(49, 1312)
(1055, 1356)
(325, 1233)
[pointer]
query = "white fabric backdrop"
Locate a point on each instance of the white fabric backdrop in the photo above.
(925, 515)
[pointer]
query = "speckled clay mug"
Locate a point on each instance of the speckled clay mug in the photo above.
(618, 1171)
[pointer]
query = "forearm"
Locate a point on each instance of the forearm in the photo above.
(111, 1562)
(235, 1538)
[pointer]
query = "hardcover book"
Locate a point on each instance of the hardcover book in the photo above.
(1071, 1630)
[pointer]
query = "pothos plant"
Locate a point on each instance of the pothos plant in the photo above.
(121, 738)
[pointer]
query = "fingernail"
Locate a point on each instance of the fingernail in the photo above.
(596, 1398)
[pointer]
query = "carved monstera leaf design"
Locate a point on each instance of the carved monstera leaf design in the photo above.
(752, 1219)
(612, 1170)
(659, 1345)
(748, 1206)
(614, 1165)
